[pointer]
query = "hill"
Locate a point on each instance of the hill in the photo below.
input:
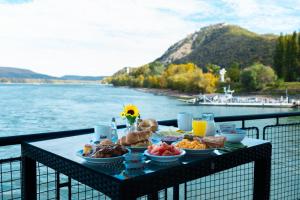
(222, 44)
(10, 72)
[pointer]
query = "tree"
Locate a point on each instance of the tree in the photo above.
(156, 68)
(279, 57)
(257, 77)
(212, 68)
(248, 79)
(233, 72)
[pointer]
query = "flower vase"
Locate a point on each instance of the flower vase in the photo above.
(130, 127)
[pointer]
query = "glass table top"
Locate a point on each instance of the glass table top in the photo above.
(68, 146)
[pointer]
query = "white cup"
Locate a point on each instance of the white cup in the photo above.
(102, 132)
(184, 121)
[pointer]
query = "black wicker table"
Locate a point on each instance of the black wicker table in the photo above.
(59, 154)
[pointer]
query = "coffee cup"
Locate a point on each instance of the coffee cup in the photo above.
(102, 132)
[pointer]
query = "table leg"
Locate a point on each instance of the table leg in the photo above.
(153, 196)
(176, 192)
(262, 179)
(29, 190)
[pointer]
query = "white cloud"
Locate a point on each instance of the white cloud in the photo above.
(98, 37)
(87, 37)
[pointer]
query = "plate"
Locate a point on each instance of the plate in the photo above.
(100, 160)
(164, 158)
(199, 151)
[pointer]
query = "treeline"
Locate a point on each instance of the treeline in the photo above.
(190, 78)
(183, 77)
(287, 57)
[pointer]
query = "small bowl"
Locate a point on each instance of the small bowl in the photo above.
(133, 156)
(134, 165)
(235, 137)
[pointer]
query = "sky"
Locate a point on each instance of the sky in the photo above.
(99, 37)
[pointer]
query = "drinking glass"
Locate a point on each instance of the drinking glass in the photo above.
(199, 127)
(184, 121)
(211, 125)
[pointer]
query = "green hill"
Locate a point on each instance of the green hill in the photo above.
(222, 44)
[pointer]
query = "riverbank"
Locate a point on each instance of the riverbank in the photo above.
(186, 95)
(168, 92)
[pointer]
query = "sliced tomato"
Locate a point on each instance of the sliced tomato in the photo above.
(167, 153)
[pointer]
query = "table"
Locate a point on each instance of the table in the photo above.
(59, 154)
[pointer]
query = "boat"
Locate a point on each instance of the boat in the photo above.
(227, 99)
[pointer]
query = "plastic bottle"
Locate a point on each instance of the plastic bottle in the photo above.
(114, 130)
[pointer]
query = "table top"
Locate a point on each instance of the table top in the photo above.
(67, 148)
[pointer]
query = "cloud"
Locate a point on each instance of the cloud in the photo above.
(98, 37)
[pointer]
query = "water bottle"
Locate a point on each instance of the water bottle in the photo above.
(211, 125)
(114, 131)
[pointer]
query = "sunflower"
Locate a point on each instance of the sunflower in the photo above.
(131, 110)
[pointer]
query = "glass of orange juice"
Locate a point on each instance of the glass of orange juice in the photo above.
(199, 127)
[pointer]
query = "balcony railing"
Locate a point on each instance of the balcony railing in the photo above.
(236, 183)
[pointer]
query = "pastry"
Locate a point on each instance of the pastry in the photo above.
(87, 149)
(136, 139)
(106, 142)
(214, 142)
(148, 125)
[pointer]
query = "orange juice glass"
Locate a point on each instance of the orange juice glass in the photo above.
(199, 127)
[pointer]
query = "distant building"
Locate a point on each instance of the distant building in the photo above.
(127, 70)
(222, 74)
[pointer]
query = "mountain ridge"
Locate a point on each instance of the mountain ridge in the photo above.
(21, 73)
(222, 44)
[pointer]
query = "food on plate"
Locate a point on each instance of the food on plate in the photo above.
(163, 149)
(107, 151)
(87, 149)
(148, 125)
(170, 139)
(214, 141)
(103, 151)
(136, 139)
(106, 142)
(191, 144)
(189, 137)
(169, 133)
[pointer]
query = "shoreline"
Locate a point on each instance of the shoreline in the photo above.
(168, 92)
(186, 95)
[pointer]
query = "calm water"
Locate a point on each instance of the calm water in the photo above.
(26, 109)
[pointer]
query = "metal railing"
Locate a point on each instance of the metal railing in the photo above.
(235, 183)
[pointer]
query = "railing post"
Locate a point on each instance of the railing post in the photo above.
(262, 177)
(29, 190)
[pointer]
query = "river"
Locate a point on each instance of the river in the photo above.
(26, 108)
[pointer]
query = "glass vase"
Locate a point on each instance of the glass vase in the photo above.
(130, 127)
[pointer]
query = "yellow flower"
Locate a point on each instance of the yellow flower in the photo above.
(131, 111)
(122, 114)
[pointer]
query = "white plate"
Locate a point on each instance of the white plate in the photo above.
(199, 151)
(165, 158)
(100, 160)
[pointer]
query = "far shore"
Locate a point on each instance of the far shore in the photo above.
(168, 92)
(186, 95)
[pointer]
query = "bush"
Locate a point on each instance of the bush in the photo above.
(257, 77)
